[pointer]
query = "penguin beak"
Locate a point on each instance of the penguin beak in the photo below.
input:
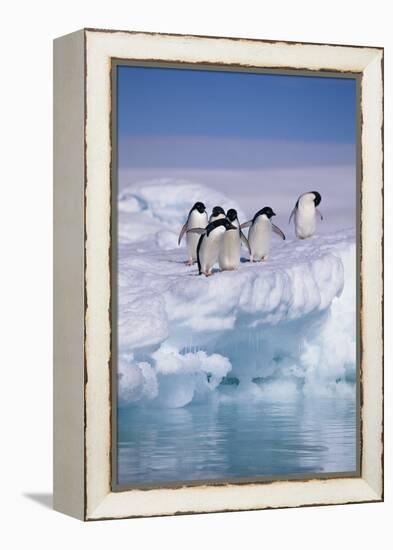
(274, 214)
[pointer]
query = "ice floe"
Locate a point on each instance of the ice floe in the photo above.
(270, 330)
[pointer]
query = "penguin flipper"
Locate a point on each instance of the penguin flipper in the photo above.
(181, 235)
(319, 214)
(244, 240)
(278, 231)
(198, 250)
(292, 214)
(246, 224)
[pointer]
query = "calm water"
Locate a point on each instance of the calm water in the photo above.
(215, 441)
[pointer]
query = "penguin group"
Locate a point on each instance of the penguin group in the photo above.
(218, 238)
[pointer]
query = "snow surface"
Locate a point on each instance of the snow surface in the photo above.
(272, 330)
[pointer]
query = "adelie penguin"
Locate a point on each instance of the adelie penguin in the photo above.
(209, 244)
(305, 213)
(218, 213)
(197, 217)
(260, 234)
(229, 257)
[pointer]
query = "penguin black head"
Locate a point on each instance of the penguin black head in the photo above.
(217, 210)
(199, 206)
(267, 211)
(232, 215)
(317, 197)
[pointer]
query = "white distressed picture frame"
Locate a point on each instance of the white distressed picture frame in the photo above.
(82, 335)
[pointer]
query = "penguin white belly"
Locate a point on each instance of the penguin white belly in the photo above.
(259, 237)
(195, 220)
(210, 249)
(192, 243)
(305, 222)
(229, 257)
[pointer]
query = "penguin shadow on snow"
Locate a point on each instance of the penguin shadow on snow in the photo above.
(194, 274)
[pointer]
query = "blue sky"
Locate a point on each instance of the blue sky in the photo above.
(257, 138)
(180, 117)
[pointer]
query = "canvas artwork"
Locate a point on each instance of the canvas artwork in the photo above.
(235, 272)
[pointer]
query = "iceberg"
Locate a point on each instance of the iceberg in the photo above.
(277, 329)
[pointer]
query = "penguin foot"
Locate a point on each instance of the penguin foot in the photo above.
(190, 262)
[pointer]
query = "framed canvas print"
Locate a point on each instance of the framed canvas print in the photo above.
(218, 274)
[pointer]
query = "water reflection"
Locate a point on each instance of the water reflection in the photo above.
(236, 439)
